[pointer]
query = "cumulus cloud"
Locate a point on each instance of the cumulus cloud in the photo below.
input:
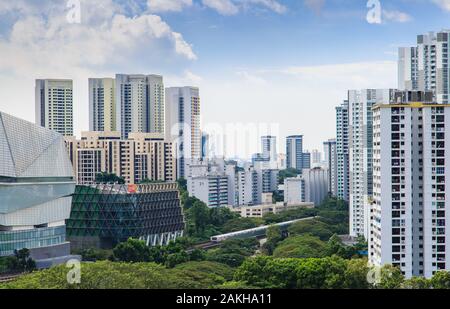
(157, 6)
(232, 7)
(444, 4)
(224, 7)
(40, 42)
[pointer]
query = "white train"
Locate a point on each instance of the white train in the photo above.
(255, 232)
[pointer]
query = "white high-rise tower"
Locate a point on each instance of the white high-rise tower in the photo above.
(182, 125)
(409, 226)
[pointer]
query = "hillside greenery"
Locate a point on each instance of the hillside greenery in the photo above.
(311, 255)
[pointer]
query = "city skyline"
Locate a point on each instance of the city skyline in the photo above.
(200, 134)
(195, 45)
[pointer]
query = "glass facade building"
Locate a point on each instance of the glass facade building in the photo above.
(36, 184)
(34, 238)
(104, 215)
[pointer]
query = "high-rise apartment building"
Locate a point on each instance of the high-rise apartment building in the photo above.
(294, 191)
(102, 104)
(182, 125)
(342, 150)
(269, 147)
(294, 152)
(212, 181)
(426, 67)
(316, 158)
(316, 185)
(331, 164)
(361, 103)
(248, 186)
(54, 105)
(407, 68)
(139, 104)
(433, 72)
(409, 216)
(306, 160)
(143, 156)
(311, 186)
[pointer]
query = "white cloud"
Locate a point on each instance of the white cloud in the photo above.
(37, 44)
(232, 7)
(444, 4)
(224, 7)
(157, 6)
(270, 4)
(41, 43)
(396, 16)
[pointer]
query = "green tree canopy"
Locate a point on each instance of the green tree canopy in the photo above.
(109, 178)
(305, 246)
(132, 250)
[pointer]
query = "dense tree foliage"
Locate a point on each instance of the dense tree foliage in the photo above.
(233, 252)
(305, 246)
(314, 227)
(268, 272)
(18, 263)
(287, 173)
(109, 178)
(118, 275)
(132, 250)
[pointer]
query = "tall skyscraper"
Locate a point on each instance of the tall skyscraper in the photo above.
(54, 105)
(343, 175)
(410, 226)
(139, 104)
(316, 158)
(182, 125)
(331, 163)
(269, 147)
(425, 67)
(102, 104)
(361, 103)
(432, 64)
(294, 152)
(306, 160)
(407, 68)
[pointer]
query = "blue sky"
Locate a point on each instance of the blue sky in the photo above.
(287, 62)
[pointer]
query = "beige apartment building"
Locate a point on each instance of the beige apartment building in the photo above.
(143, 156)
(258, 211)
